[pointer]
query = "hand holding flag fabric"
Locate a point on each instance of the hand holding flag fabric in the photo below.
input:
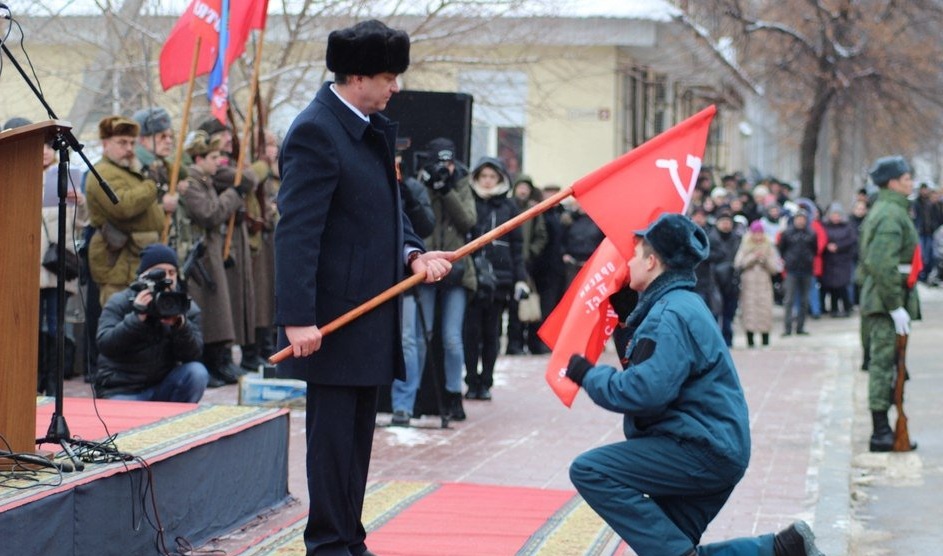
(577, 368)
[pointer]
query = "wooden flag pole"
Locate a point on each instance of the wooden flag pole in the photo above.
(244, 142)
(415, 279)
(178, 155)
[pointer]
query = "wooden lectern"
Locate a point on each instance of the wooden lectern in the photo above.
(21, 186)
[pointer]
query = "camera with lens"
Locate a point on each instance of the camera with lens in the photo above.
(436, 175)
(165, 302)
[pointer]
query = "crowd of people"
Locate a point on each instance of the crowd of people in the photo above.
(767, 247)
(209, 237)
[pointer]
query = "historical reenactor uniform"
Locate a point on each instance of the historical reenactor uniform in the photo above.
(125, 228)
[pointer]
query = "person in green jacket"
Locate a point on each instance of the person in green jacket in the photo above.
(888, 241)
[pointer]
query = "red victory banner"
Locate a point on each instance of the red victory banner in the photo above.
(655, 177)
(584, 319)
(621, 197)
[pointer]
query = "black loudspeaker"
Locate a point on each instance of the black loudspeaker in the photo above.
(425, 115)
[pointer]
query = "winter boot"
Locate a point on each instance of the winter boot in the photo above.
(882, 439)
(765, 338)
(455, 410)
(251, 361)
(796, 540)
(217, 357)
(265, 339)
(750, 339)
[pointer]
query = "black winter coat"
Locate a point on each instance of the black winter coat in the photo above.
(838, 267)
(724, 248)
(135, 355)
(340, 241)
(506, 252)
(797, 247)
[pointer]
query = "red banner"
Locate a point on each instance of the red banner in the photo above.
(203, 18)
(621, 197)
(583, 320)
(655, 177)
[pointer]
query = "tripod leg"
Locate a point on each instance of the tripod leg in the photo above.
(427, 336)
(76, 462)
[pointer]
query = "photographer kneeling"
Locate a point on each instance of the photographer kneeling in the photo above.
(149, 337)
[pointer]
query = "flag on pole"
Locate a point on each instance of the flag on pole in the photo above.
(584, 319)
(655, 177)
(204, 18)
(621, 197)
(217, 92)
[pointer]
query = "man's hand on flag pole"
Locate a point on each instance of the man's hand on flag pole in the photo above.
(435, 264)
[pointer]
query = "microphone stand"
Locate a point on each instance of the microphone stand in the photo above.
(64, 140)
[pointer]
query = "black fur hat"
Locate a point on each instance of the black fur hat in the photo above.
(679, 242)
(368, 48)
(888, 168)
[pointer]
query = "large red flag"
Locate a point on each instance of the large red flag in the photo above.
(584, 319)
(621, 197)
(203, 18)
(655, 177)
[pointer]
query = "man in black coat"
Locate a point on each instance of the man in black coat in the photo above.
(342, 239)
(146, 355)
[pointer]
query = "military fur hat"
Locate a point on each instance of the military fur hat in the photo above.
(368, 48)
(111, 126)
(888, 168)
(212, 126)
(198, 143)
(152, 120)
(679, 242)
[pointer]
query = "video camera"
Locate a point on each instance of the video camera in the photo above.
(434, 164)
(165, 302)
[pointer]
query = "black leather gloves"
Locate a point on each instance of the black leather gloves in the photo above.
(577, 368)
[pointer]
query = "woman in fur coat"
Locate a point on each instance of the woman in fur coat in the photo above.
(757, 260)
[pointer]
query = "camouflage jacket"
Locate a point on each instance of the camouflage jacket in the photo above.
(888, 240)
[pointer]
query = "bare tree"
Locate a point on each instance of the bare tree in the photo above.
(876, 60)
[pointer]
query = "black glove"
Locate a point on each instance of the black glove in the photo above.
(437, 178)
(577, 368)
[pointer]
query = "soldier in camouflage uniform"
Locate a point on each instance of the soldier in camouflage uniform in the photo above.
(888, 240)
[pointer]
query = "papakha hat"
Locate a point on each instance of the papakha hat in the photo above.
(679, 242)
(111, 126)
(367, 48)
(888, 168)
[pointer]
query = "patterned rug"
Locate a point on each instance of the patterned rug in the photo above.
(431, 519)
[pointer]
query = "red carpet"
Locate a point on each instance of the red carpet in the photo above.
(120, 415)
(455, 519)
(461, 519)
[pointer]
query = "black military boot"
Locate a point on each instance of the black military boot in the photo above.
(218, 361)
(251, 361)
(882, 439)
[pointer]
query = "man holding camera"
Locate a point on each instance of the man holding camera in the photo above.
(149, 337)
